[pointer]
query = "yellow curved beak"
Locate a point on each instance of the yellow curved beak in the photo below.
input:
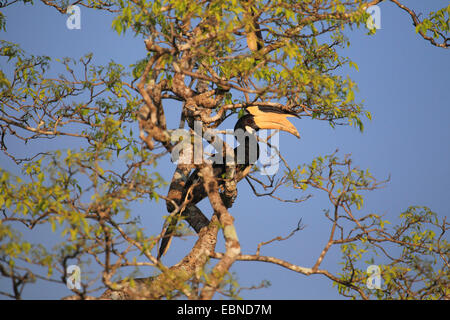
(273, 120)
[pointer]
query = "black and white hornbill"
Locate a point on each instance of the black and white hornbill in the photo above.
(256, 118)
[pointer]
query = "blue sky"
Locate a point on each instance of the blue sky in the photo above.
(403, 81)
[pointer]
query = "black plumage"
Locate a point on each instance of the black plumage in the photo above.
(245, 156)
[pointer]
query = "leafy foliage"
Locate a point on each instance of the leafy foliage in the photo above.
(92, 166)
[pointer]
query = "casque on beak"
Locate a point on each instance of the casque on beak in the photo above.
(271, 118)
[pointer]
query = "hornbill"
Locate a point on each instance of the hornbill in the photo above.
(244, 157)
